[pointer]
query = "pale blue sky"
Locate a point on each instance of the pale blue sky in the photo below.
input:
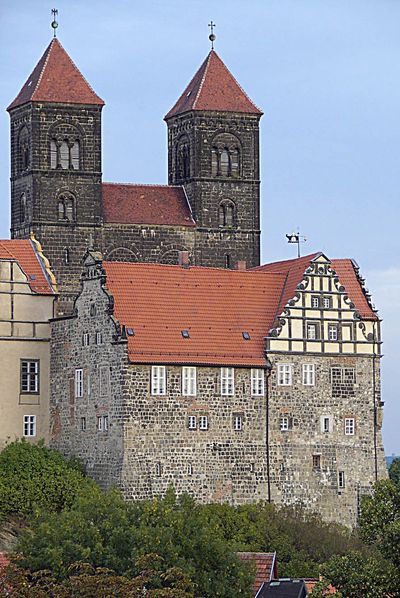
(325, 72)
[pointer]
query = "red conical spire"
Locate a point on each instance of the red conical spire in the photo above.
(56, 79)
(213, 88)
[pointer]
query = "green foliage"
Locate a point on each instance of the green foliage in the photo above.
(394, 471)
(355, 576)
(380, 520)
(34, 478)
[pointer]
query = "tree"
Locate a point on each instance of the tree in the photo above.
(394, 471)
(34, 478)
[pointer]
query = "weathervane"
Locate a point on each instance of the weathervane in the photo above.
(212, 37)
(54, 23)
(296, 238)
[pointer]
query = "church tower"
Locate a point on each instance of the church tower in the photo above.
(213, 150)
(56, 164)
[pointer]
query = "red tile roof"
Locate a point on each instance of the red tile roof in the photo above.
(216, 306)
(311, 583)
(23, 251)
(213, 88)
(55, 78)
(4, 561)
(345, 269)
(266, 568)
(146, 204)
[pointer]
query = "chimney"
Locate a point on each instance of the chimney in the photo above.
(183, 259)
(241, 265)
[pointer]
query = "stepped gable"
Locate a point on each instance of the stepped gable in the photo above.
(146, 204)
(345, 269)
(266, 567)
(157, 302)
(213, 88)
(55, 78)
(24, 253)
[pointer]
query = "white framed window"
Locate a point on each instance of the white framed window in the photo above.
(341, 479)
(308, 374)
(327, 302)
(83, 424)
(349, 426)
(237, 422)
(192, 422)
(312, 330)
(30, 425)
(29, 376)
(102, 423)
(79, 383)
(257, 382)
(326, 424)
(314, 301)
(285, 423)
(85, 339)
(333, 332)
(203, 422)
(227, 382)
(189, 469)
(158, 469)
(99, 338)
(284, 374)
(189, 381)
(158, 377)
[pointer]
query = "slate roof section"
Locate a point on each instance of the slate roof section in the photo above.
(23, 252)
(266, 568)
(345, 269)
(216, 306)
(56, 78)
(146, 204)
(213, 87)
(283, 588)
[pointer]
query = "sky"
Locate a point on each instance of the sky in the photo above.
(326, 73)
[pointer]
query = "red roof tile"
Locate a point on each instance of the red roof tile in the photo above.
(216, 306)
(266, 568)
(4, 561)
(345, 269)
(23, 251)
(146, 204)
(55, 78)
(213, 88)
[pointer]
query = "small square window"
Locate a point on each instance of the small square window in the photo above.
(185, 333)
(327, 302)
(29, 425)
(246, 336)
(316, 461)
(237, 422)
(349, 426)
(192, 422)
(315, 301)
(203, 425)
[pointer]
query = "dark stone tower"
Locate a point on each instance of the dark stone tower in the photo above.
(213, 150)
(56, 165)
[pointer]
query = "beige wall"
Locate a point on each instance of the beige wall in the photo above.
(24, 334)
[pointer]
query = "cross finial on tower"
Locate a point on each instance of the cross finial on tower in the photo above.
(212, 37)
(54, 23)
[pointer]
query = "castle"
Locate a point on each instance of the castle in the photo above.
(176, 357)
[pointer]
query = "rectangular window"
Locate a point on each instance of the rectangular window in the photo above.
(78, 383)
(83, 424)
(238, 422)
(85, 339)
(102, 423)
(312, 331)
(327, 302)
(203, 422)
(284, 374)
(316, 461)
(29, 376)
(189, 469)
(158, 469)
(285, 423)
(158, 376)
(341, 479)
(192, 422)
(189, 381)
(257, 382)
(326, 424)
(99, 338)
(349, 426)
(30, 425)
(333, 332)
(343, 375)
(314, 301)
(227, 382)
(308, 374)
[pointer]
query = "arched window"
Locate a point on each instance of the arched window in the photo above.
(75, 155)
(61, 210)
(54, 160)
(214, 161)
(235, 165)
(226, 213)
(69, 209)
(225, 155)
(64, 155)
(22, 209)
(225, 163)
(66, 208)
(65, 147)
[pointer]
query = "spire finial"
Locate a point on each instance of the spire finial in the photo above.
(54, 23)
(212, 37)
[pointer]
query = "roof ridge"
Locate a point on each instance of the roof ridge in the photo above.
(238, 84)
(143, 185)
(203, 78)
(49, 47)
